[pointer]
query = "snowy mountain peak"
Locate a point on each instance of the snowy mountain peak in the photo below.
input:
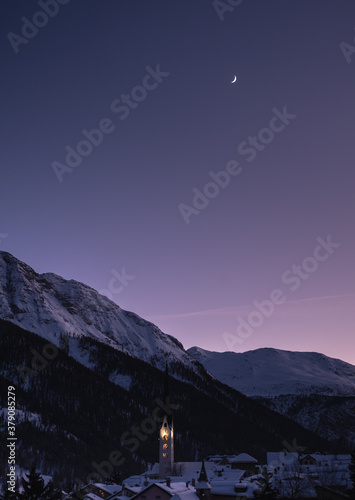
(47, 304)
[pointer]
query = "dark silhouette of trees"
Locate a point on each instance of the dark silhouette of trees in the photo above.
(35, 489)
(352, 475)
(265, 484)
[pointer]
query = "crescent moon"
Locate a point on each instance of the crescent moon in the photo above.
(235, 79)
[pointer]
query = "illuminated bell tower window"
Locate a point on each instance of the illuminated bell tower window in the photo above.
(166, 460)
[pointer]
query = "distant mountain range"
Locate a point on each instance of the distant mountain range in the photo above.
(272, 372)
(86, 371)
(313, 389)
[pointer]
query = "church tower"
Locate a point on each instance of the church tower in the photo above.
(203, 487)
(166, 436)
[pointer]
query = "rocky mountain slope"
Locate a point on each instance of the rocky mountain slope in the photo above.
(47, 304)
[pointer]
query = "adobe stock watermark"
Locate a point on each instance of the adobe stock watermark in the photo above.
(122, 106)
(130, 440)
(117, 283)
(348, 50)
(250, 147)
(223, 6)
(40, 19)
(287, 455)
(293, 278)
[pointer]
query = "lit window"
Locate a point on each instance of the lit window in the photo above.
(165, 446)
(165, 455)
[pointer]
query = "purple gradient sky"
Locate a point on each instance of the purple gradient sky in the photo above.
(119, 207)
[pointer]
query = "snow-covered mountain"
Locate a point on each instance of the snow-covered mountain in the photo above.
(273, 372)
(48, 305)
(312, 389)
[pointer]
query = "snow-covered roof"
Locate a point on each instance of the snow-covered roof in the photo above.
(111, 488)
(232, 475)
(320, 458)
(232, 489)
(289, 459)
(185, 495)
(133, 480)
(225, 485)
(99, 491)
(175, 487)
(278, 458)
(189, 470)
(243, 457)
(222, 480)
(133, 489)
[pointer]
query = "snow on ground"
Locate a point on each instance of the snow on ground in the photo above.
(33, 418)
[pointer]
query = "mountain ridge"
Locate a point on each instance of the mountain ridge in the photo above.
(47, 304)
(270, 372)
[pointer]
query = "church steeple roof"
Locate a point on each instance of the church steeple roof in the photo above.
(203, 487)
(203, 474)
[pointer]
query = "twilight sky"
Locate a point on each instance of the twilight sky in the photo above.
(141, 216)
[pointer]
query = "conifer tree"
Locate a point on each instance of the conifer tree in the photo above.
(34, 487)
(266, 490)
